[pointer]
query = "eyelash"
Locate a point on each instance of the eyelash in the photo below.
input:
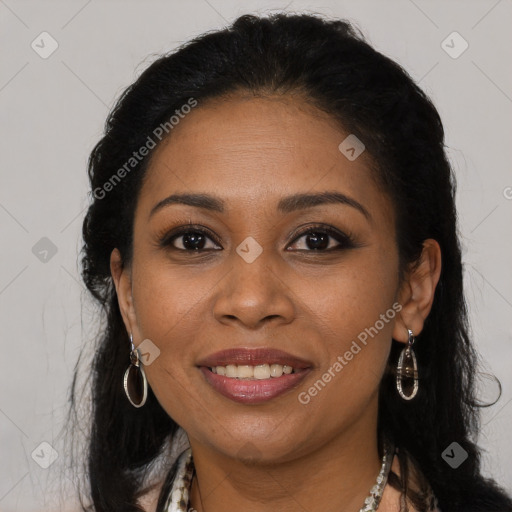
(346, 241)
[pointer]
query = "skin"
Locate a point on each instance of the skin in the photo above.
(250, 152)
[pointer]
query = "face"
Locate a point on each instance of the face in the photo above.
(252, 271)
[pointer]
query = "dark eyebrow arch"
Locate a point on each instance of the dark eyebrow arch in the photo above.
(303, 201)
(286, 204)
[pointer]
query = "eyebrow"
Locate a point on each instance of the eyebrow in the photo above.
(287, 204)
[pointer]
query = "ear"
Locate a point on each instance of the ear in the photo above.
(416, 294)
(123, 283)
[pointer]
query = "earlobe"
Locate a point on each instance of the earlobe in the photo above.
(122, 281)
(417, 291)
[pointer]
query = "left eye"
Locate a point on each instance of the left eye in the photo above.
(318, 240)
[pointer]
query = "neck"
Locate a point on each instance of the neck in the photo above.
(335, 476)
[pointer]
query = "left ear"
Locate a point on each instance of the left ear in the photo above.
(416, 294)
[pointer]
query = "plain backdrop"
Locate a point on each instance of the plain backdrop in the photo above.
(53, 111)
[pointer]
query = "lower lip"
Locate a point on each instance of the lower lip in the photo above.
(253, 391)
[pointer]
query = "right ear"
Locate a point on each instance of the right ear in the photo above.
(121, 275)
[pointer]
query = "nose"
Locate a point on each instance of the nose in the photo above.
(252, 294)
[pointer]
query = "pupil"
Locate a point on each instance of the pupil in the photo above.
(194, 241)
(319, 240)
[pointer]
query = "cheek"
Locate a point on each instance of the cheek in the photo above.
(168, 310)
(167, 304)
(354, 310)
(352, 297)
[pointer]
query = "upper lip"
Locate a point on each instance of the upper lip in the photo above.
(253, 357)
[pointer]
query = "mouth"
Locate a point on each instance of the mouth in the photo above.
(253, 376)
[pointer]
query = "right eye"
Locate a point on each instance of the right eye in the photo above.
(190, 239)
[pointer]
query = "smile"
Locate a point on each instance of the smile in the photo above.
(252, 376)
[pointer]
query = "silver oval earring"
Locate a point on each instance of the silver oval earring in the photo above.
(407, 371)
(135, 382)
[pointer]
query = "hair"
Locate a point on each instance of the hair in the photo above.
(328, 64)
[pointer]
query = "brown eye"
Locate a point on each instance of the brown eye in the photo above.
(190, 240)
(322, 239)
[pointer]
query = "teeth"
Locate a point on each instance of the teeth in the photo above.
(245, 372)
(231, 370)
(261, 371)
(276, 370)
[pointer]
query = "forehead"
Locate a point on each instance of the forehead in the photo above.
(256, 149)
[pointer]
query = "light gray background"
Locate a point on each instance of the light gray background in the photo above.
(53, 112)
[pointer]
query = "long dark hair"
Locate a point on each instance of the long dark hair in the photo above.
(330, 65)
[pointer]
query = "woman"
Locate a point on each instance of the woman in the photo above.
(273, 239)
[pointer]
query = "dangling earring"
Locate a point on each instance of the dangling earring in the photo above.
(407, 371)
(135, 383)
